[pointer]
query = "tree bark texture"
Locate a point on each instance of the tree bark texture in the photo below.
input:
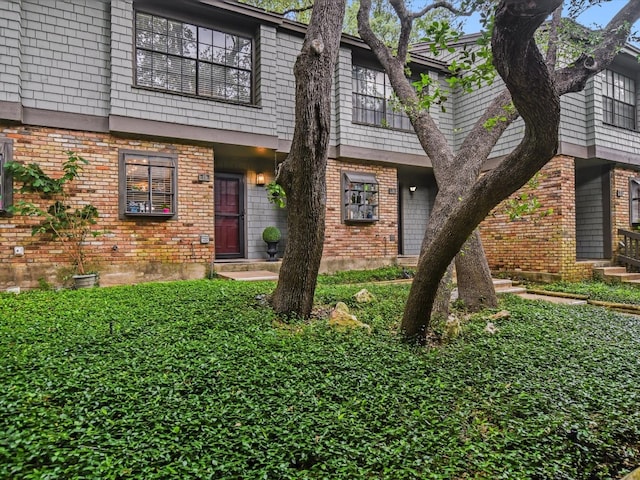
(303, 173)
(475, 285)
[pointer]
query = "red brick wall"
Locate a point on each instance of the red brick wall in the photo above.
(538, 243)
(361, 241)
(143, 245)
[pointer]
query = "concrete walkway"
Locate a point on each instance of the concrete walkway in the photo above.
(552, 299)
(249, 276)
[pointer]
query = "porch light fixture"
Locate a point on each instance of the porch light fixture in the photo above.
(412, 188)
(260, 179)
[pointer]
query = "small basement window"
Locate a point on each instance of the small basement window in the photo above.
(360, 197)
(148, 184)
(634, 201)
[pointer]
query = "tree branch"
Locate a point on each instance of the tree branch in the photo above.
(574, 77)
(297, 10)
(552, 44)
(445, 5)
(406, 24)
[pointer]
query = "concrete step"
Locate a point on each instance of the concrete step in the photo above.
(504, 285)
(499, 283)
(552, 299)
(605, 271)
(512, 290)
(246, 266)
(624, 277)
(249, 276)
(407, 260)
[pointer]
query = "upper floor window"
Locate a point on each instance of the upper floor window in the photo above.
(6, 183)
(619, 100)
(185, 58)
(374, 102)
(148, 184)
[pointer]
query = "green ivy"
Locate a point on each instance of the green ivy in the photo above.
(200, 380)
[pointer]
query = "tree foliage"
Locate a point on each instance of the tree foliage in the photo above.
(534, 84)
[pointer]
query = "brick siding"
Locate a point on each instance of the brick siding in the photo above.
(376, 240)
(538, 243)
(141, 242)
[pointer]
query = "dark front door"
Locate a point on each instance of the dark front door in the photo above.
(229, 205)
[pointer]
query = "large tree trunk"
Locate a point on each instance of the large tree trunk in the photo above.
(459, 209)
(303, 172)
(475, 285)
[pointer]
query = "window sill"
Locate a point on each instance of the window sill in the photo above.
(360, 220)
(375, 125)
(619, 127)
(196, 97)
(150, 215)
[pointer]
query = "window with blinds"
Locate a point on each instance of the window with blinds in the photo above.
(148, 184)
(191, 59)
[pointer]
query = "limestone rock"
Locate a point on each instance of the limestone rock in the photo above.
(502, 314)
(491, 328)
(364, 296)
(635, 475)
(452, 327)
(342, 319)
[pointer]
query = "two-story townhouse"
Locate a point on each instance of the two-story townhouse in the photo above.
(182, 109)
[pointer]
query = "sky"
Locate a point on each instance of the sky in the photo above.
(596, 16)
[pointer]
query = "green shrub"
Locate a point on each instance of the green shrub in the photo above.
(271, 234)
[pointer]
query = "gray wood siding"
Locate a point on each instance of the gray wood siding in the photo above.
(65, 56)
(288, 48)
(573, 118)
(415, 208)
(76, 56)
(590, 214)
(10, 51)
(129, 101)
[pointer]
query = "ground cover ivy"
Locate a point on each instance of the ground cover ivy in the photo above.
(201, 380)
(392, 272)
(615, 293)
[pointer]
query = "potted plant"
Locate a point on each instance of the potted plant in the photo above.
(67, 224)
(276, 194)
(271, 235)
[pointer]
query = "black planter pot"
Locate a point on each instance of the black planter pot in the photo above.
(272, 250)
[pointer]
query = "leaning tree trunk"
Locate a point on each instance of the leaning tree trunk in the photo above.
(460, 208)
(447, 166)
(303, 172)
(475, 285)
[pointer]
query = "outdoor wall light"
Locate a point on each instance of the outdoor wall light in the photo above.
(259, 179)
(412, 188)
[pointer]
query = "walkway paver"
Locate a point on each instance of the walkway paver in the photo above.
(254, 275)
(552, 299)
